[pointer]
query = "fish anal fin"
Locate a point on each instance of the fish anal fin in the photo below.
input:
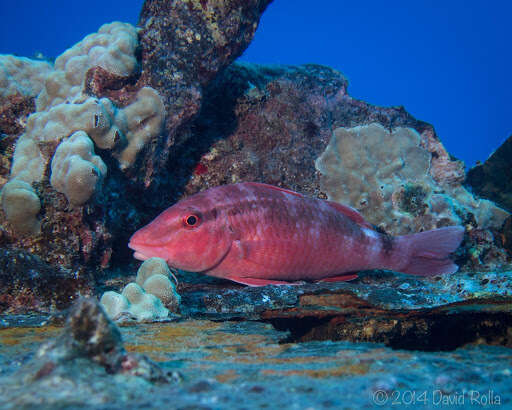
(340, 278)
(351, 213)
(259, 184)
(261, 282)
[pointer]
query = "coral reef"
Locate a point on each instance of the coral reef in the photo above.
(135, 302)
(56, 153)
(140, 122)
(63, 109)
(14, 110)
(154, 276)
(22, 76)
(97, 87)
(389, 177)
(257, 123)
(272, 124)
(506, 234)
(21, 205)
(76, 171)
(111, 48)
(127, 122)
(118, 136)
(148, 299)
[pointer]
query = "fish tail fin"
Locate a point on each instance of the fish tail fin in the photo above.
(428, 253)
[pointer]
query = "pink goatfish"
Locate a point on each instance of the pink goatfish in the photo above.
(259, 234)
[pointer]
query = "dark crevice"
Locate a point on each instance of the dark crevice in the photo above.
(426, 332)
(299, 328)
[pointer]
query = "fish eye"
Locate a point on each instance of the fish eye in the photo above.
(191, 220)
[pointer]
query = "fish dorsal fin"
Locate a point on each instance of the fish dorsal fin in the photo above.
(351, 213)
(259, 184)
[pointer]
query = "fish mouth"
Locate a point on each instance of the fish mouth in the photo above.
(142, 252)
(140, 256)
(137, 254)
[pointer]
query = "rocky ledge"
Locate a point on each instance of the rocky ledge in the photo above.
(257, 363)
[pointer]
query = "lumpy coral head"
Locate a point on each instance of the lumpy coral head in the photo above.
(188, 235)
(21, 206)
(76, 170)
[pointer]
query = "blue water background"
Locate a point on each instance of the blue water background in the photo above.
(447, 62)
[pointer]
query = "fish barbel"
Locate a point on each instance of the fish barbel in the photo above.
(259, 234)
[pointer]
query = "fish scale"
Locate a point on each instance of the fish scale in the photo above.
(289, 251)
(259, 234)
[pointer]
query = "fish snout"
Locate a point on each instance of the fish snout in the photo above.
(147, 243)
(138, 239)
(154, 234)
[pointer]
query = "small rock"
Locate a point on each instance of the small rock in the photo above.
(90, 334)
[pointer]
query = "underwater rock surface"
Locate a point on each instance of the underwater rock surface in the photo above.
(29, 284)
(291, 346)
(402, 311)
(233, 364)
(184, 45)
(493, 178)
(73, 367)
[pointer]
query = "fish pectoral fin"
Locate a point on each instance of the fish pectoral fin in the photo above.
(262, 282)
(340, 278)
